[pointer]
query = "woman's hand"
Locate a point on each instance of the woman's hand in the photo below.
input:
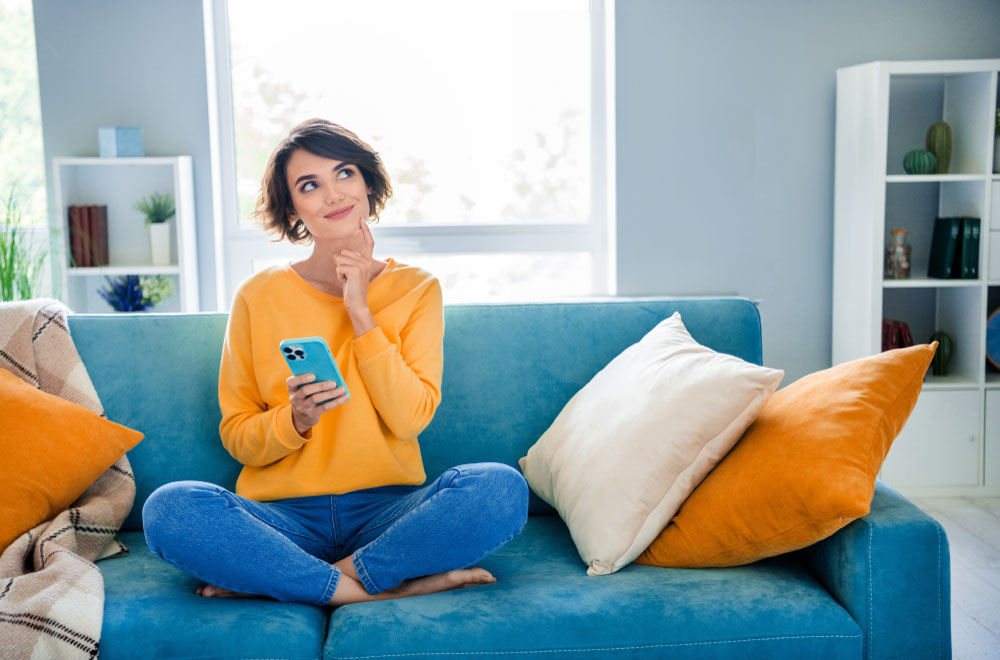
(306, 409)
(354, 271)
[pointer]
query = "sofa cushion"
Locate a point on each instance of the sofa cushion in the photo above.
(52, 451)
(151, 610)
(543, 604)
(632, 444)
(803, 470)
(175, 400)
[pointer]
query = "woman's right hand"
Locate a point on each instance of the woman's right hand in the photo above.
(305, 409)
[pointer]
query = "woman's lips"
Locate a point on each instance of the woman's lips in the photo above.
(337, 215)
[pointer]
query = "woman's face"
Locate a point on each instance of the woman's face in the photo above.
(329, 196)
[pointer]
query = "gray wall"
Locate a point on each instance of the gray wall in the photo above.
(128, 63)
(725, 138)
(725, 120)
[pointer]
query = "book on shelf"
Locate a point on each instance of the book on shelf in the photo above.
(76, 235)
(99, 235)
(970, 248)
(944, 242)
(88, 231)
(88, 237)
(955, 249)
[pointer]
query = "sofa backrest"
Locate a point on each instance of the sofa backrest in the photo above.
(508, 371)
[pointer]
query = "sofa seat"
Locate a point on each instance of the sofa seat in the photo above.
(151, 610)
(544, 603)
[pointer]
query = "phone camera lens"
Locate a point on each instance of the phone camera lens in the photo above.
(300, 355)
(287, 350)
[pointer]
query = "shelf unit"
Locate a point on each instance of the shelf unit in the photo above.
(951, 443)
(119, 183)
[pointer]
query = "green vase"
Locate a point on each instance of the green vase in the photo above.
(939, 144)
(942, 356)
(919, 161)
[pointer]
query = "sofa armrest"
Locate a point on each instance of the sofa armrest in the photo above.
(891, 571)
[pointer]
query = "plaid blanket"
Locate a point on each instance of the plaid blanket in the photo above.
(51, 593)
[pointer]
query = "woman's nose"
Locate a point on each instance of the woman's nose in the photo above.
(334, 194)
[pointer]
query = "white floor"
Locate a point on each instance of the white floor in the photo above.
(973, 528)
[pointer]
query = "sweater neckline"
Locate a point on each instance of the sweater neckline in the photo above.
(304, 284)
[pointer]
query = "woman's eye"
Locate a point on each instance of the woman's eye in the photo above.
(306, 186)
(346, 171)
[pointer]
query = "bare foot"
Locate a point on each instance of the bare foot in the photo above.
(211, 591)
(431, 584)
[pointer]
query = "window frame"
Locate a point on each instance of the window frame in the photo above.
(238, 246)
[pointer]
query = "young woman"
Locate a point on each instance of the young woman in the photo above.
(328, 508)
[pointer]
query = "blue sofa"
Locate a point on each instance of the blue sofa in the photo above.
(879, 588)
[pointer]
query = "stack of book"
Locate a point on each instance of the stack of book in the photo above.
(955, 249)
(88, 235)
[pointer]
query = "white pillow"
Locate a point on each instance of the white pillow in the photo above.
(631, 446)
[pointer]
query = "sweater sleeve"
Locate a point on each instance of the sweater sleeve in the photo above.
(404, 380)
(254, 434)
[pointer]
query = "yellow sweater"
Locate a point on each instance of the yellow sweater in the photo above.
(393, 373)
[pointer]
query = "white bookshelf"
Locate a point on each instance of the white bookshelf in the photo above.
(951, 443)
(119, 183)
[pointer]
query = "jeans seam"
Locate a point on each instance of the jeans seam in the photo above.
(329, 590)
(237, 504)
(363, 574)
(334, 526)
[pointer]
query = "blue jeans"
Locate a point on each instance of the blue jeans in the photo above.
(285, 549)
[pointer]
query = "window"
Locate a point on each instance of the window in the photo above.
(24, 234)
(491, 119)
(22, 167)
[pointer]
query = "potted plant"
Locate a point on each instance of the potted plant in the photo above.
(20, 262)
(158, 209)
(132, 293)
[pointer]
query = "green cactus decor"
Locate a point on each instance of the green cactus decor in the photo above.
(919, 161)
(942, 356)
(939, 144)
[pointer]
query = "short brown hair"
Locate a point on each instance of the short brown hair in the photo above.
(321, 138)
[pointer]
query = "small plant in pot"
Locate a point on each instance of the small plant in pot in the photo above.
(158, 208)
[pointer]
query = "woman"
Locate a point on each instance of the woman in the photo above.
(328, 508)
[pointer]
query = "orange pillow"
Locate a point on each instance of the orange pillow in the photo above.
(52, 450)
(805, 468)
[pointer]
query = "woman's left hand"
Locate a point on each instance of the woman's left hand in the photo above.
(354, 270)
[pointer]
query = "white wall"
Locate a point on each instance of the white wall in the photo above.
(129, 63)
(725, 119)
(725, 138)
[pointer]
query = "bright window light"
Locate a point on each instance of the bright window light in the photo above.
(484, 114)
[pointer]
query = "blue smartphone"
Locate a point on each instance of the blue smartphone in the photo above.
(311, 355)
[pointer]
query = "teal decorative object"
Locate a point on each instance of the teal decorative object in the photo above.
(119, 141)
(939, 144)
(942, 356)
(919, 161)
